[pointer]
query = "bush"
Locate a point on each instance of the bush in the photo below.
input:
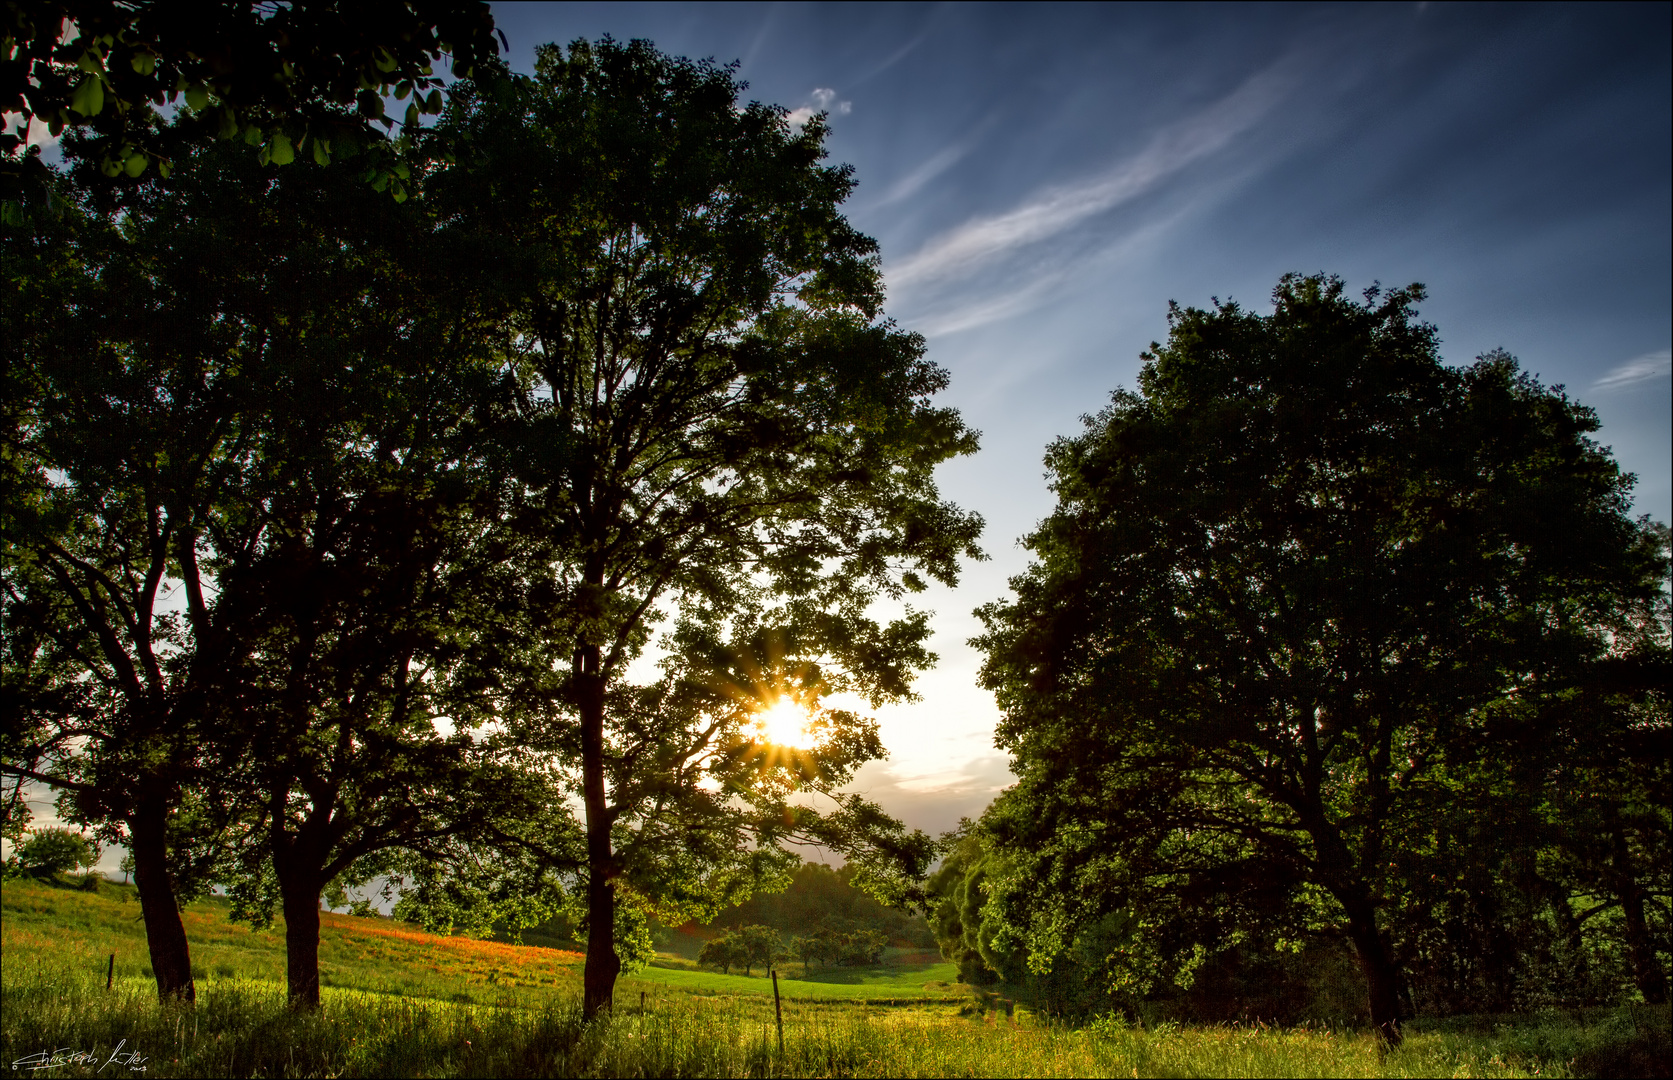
(57, 851)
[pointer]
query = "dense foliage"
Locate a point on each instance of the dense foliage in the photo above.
(307, 78)
(724, 436)
(334, 521)
(56, 851)
(820, 898)
(1316, 644)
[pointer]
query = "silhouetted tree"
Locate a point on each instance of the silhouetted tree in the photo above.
(248, 395)
(1299, 587)
(727, 436)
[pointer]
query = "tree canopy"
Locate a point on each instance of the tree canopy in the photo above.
(726, 439)
(249, 443)
(1305, 593)
(342, 518)
(288, 78)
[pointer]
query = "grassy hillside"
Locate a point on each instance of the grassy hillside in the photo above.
(403, 1003)
(57, 927)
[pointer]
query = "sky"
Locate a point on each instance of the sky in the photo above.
(1043, 179)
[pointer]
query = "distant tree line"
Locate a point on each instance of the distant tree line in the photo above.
(1329, 652)
(818, 897)
(333, 520)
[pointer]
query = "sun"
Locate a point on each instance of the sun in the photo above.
(785, 723)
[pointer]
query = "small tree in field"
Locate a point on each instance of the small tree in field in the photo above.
(57, 851)
(721, 951)
(757, 945)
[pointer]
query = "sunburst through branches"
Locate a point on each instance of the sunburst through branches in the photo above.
(785, 722)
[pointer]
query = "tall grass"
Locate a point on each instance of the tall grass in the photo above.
(403, 1003)
(242, 1027)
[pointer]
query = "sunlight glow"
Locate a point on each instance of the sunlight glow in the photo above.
(785, 723)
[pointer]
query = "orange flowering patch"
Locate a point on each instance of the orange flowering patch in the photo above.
(370, 937)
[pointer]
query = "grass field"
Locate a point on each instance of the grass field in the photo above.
(399, 1002)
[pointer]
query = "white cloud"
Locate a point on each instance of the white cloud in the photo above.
(822, 99)
(984, 241)
(1652, 365)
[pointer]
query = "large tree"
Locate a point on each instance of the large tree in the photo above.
(251, 444)
(1296, 590)
(121, 397)
(727, 439)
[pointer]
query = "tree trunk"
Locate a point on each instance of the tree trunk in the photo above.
(299, 890)
(1382, 978)
(1646, 971)
(165, 934)
(598, 978)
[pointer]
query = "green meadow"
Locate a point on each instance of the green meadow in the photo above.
(399, 1002)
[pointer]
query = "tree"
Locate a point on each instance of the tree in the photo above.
(57, 851)
(1295, 592)
(727, 441)
(958, 895)
(281, 77)
(249, 396)
(756, 945)
(1608, 841)
(807, 948)
(119, 438)
(721, 951)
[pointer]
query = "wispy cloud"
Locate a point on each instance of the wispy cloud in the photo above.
(822, 99)
(762, 34)
(893, 58)
(983, 241)
(1652, 365)
(1043, 281)
(914, 181)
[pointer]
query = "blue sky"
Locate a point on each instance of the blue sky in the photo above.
(1044, 179)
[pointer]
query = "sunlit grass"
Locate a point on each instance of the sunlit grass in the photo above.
(396, 1006)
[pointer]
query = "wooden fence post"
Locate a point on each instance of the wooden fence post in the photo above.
(778, 1010)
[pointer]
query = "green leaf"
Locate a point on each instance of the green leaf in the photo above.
(144, 63)
(135, 162)
(280, 151)
(197, 97)
(433, 103)
(89, 97)
(322, 151)
(412, 114)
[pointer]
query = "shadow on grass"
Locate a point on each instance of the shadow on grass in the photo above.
(891, 974)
